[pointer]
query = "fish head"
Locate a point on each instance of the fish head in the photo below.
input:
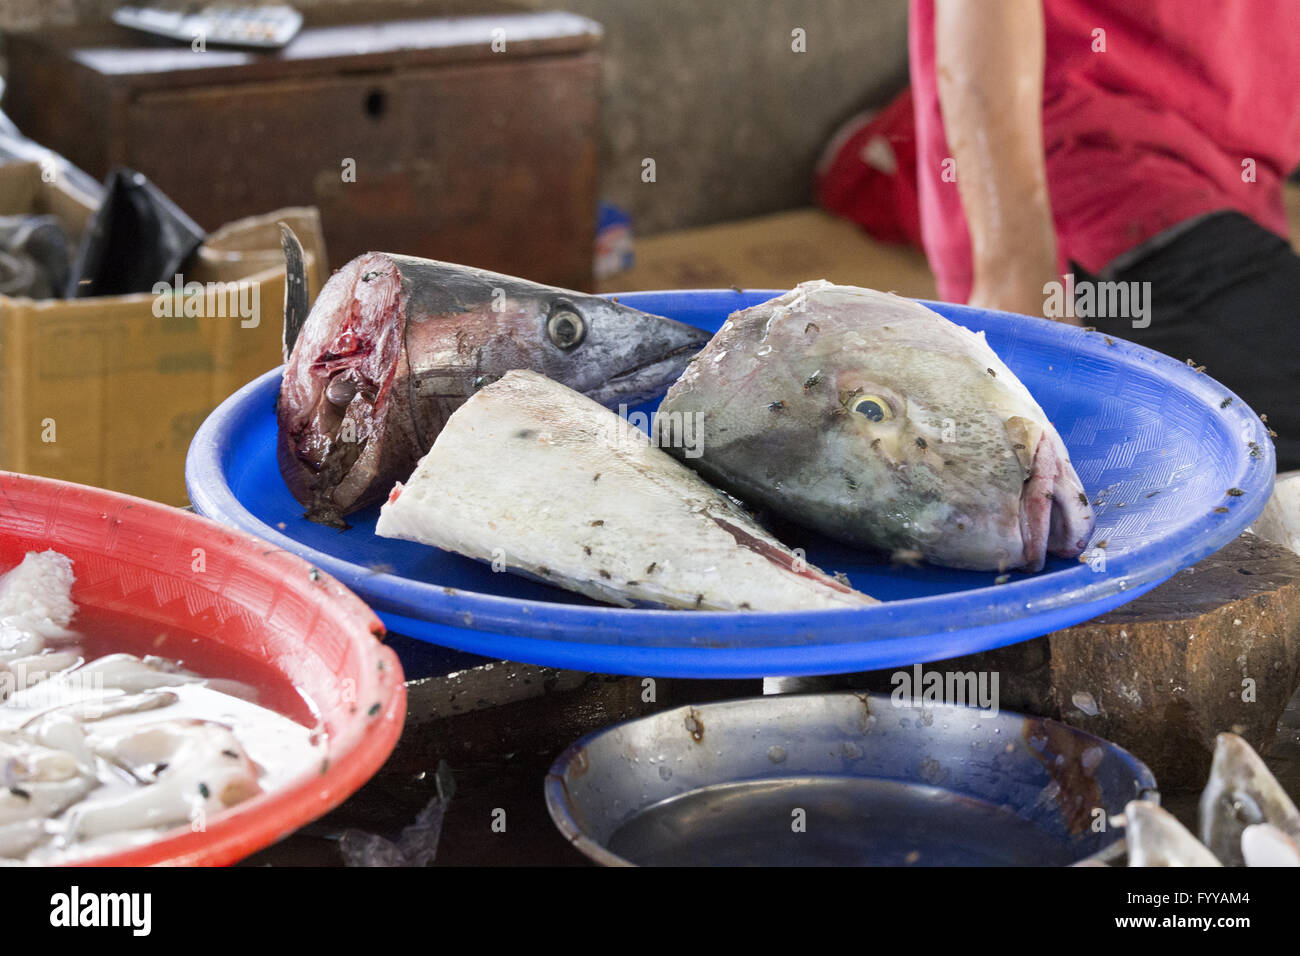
(341, 391)
(879, 422)
(1240, 794)
(395, 344)
(609, 352)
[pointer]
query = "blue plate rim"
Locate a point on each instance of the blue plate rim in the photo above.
(1134, 569)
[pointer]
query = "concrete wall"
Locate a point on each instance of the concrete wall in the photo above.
(709, 89)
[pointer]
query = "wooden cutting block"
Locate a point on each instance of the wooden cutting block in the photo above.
(1214, 648)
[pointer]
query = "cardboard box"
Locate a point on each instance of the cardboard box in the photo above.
(108, 391)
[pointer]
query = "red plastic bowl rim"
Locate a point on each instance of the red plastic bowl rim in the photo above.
(356, 750)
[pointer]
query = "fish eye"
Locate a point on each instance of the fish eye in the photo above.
(566, 329)
(873, 407)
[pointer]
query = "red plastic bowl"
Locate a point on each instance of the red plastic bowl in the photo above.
(240, 605)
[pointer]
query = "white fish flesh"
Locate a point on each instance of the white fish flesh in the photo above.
(35, 604)
(1263, 844)
(100, 755)
(192, 767)
(543, 481)
(1246, 818)
(1156, 838)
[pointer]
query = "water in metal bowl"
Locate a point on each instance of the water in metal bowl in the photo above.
(843, 779)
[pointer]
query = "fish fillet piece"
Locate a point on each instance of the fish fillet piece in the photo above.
(37, 781)
(193, 768)
(19, 837)
(1263, 844)
(543, 481)
(35, 604)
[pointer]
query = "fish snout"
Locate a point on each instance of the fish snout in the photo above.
(1024, 434)
(647, 353)
(1055, 515)
(1036, 499)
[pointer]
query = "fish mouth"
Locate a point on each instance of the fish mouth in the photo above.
(1054, 514)
(1036, 505)
(333, 465)
(648, 379)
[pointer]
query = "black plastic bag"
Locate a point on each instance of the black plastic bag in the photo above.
(137, 238)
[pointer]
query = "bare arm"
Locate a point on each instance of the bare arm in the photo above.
(989, 61)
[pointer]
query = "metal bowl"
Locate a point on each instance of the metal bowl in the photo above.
(843, 779)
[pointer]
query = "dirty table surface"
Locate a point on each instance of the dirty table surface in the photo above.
(499, 725)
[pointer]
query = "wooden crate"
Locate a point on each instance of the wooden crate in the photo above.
(461, 151)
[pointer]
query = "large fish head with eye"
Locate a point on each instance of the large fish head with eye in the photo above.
(880, 423)
(468, 324)
(395, 344)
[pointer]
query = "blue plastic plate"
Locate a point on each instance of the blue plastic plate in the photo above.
(1158, 442)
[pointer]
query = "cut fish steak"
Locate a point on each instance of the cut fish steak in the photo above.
(546, 482)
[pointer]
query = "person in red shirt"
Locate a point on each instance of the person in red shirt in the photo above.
(1125, 142)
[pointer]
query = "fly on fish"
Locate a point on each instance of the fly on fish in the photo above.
(395, 344)
(880, 423)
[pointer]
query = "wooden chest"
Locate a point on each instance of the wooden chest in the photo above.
(470, 138)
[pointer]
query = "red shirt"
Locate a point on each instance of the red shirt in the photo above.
(1150, 132)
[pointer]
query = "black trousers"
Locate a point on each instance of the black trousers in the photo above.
(1226, 293)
